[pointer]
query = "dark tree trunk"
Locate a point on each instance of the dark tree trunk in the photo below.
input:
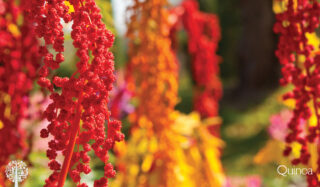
(258, 66)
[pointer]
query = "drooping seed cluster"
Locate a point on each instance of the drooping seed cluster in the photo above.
(79, 110)
(19, 61)
(152, 76)
(300, 67)
(152, 63)
(203, 36)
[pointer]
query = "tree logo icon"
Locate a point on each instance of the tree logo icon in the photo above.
(16, 171)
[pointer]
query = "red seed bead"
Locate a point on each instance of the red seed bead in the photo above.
(54, 165)
(44, 133)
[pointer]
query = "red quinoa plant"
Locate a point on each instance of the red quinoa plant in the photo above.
(19, 61)
(79, 111)
(203, 33)
(203, 36)
(300, 67)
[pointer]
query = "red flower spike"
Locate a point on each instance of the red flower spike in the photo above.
(19, 61)
(84, 95)
(299, 19)
(203, 36)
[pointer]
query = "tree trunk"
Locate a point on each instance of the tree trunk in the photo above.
(258, 66)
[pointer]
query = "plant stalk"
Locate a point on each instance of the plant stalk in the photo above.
(72, 140)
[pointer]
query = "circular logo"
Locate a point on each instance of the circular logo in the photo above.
(16, 171)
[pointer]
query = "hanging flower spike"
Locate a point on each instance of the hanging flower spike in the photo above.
(152, 64)
(152, 77)
(84, 96)
(203, 36)
(19, 61)
(300, 67)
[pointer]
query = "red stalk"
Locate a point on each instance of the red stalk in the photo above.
(72, 141)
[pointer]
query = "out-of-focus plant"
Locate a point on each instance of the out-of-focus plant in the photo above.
(297, 21)
(79, 110)
(278, 130)
(152, 75)
(203, 36)
(120, 96)
(166, 148)
(203, 33)
(198, 152)
(201, 149)
(19, 61)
